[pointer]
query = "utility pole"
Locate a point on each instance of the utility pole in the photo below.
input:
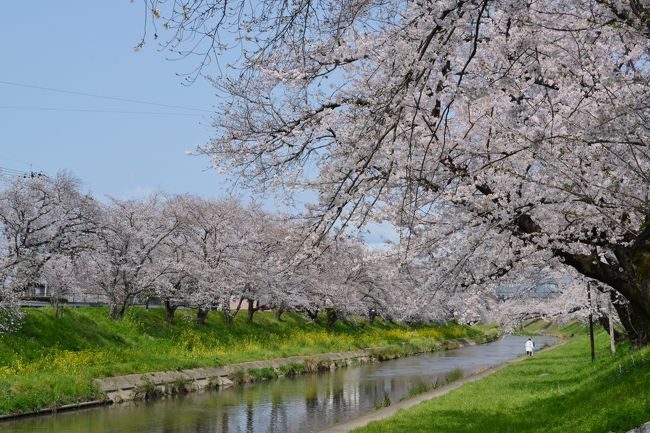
(591, 323)
(612, 342)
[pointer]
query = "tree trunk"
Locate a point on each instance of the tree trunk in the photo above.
(278, 313)
(604, 322)
(628, 274)
(201, 315)
(629, 277)
(58, 308)
(251, 310)
(112, 311)
(116, 311)
(331, 317)
(636, 324)
(170, 309)
(228, 315)
(313, 315)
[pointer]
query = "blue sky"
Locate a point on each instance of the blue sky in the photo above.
(87, 47)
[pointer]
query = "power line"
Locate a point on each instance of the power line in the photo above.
(19, 173)
(92, 110)
(18, 161)
(92, 95)
(11, 171)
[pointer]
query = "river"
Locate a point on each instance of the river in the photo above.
(286, 405)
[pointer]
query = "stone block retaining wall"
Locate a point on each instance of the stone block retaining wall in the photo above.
(136, 386)
(149, 385)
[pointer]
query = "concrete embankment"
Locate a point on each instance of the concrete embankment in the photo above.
(158, 384)
(132, 386)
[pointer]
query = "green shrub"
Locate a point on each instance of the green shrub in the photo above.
(454, 375)
(146, 390)
(214, 382)
(238, 376)
(263, 373)
(340, 363)
(180, 385)
(313, 365)
(399, 350)
(292, 369)
(385, 402)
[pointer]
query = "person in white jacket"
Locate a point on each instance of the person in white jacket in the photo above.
(530, 347)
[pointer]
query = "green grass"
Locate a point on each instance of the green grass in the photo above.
(53, 361)
(558, 390)
(264, 373)
(292, 369)
(545, 327)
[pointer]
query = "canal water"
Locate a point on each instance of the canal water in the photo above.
(287, 405)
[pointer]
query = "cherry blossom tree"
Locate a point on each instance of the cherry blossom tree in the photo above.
(123, 261)
(284, 276)
(213, 230)
(494, 132)
(41, 218)
(262, 260)
(61, 277)
(335, 280)
(173, 259)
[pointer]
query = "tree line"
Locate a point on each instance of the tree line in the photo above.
(187, 251)
(221, 255)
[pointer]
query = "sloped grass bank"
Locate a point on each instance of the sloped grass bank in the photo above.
(51, 362)
(550, 327)
(556, 391)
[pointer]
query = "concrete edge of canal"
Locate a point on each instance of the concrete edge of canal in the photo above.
(388, 411)
(131, 387)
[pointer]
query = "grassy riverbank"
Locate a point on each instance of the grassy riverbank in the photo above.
(559, 390)
(51, 361)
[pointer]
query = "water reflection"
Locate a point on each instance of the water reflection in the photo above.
(289, 405)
